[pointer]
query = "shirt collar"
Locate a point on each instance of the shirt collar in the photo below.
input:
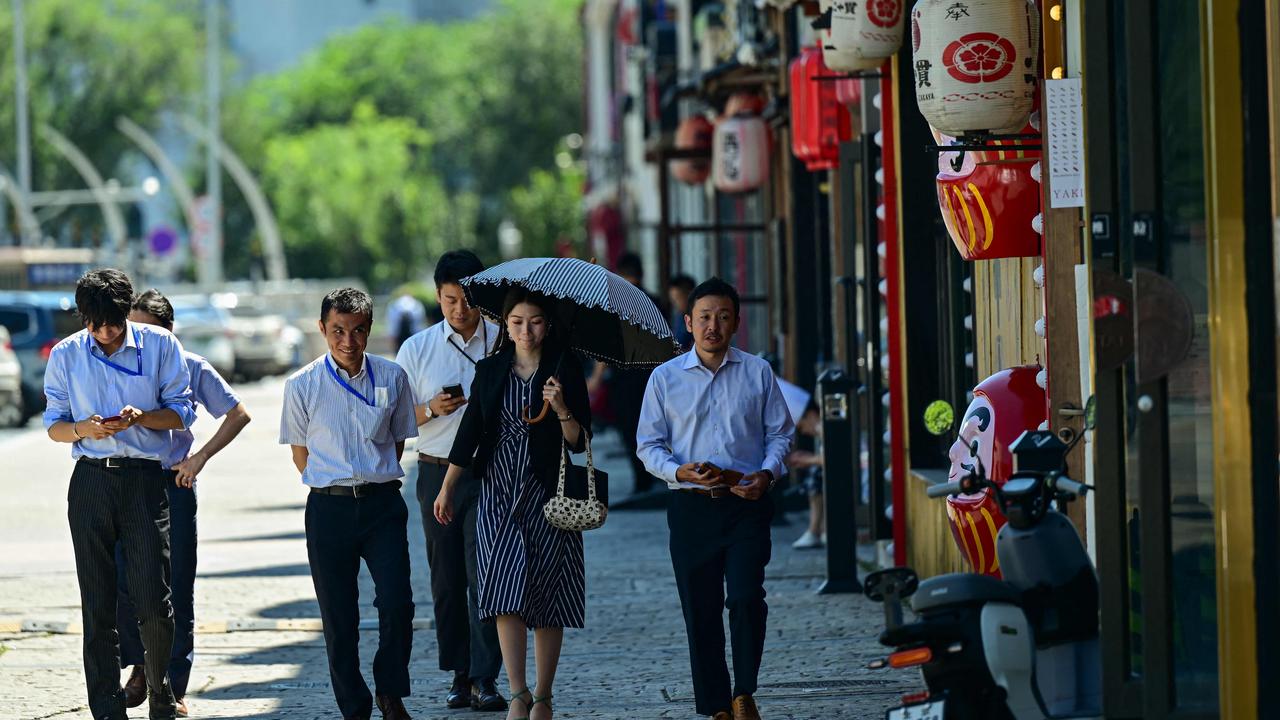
(129, 339)
(364, 363)
(691, 359)
(482, 333)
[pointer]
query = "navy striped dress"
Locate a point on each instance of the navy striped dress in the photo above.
(526, 566)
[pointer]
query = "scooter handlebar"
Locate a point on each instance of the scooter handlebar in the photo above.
(1067, 486)
(943, 489)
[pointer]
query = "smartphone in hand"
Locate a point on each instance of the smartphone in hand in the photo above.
(453, 391)
(113, 418)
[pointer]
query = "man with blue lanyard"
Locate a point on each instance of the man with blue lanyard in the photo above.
(347, 416)
(116, 390)
(210, 391)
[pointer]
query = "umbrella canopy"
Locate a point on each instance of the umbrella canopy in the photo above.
(607, 317)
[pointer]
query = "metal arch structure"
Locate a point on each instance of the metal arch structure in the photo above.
(102, 195)
(263, 217)
(31, 233)
(172, 174)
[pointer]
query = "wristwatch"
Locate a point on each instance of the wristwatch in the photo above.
(772, 480)
(430, 414)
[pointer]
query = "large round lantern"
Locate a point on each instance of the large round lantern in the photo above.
(975, 63)
(861, 35)
(819, 122)
(740, 154)
(694, 133)
(990, 199)
(1004, 406)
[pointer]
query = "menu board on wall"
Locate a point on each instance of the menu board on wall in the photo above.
(1064, 138)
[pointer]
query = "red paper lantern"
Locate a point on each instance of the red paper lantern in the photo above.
(743, 104)
(694, 133)
(819, 121)
(849, 92)
(740, 154)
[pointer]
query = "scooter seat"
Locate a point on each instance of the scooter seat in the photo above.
(961, 589)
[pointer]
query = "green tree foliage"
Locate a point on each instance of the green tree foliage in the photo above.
(87, 64)
(436, 132)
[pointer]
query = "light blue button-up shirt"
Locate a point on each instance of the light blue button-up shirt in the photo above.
(734, 417)
(78, 385)
(348, 441)
(208, 390)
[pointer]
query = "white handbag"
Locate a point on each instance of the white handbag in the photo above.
(572, 514)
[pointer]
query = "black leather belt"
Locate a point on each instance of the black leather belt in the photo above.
(121, 463)
(432, 460)
(358, 491)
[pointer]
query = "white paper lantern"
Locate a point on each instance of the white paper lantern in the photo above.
(740, 154)
(975, 63)
(863, 33)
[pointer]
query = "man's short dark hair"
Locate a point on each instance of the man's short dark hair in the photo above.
(630, 265)
(714, 287)
(455, 265)
(104, 297)
(156, 305)
(347, 301)
(684, 282)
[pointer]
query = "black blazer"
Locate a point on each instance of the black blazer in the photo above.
(478, 434)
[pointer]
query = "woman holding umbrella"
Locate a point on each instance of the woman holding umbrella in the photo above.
(531, 574)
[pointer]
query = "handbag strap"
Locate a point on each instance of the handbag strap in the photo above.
(591, 467)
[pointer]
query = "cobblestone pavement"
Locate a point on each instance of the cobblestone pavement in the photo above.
(630, 662)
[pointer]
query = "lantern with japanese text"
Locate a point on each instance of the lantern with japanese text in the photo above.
(862, 34)
(990, 199)
(819, 122)
(1004, 406)
(740, 153)
(695, 133)
(975, 63)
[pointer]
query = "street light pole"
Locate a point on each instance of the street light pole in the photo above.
(212, 265)
(20, 100)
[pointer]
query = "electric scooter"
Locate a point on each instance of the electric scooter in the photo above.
(1025, 648)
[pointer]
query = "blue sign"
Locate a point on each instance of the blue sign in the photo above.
(43, 274)
(162, 239)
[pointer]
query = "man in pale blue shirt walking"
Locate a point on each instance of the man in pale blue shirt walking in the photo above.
(715, 427)
(116, 390)
(346, 417)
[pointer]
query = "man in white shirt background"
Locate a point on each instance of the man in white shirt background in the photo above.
(441, 363)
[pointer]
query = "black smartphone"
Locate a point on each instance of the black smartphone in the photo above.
(453, 391)
(113, 418)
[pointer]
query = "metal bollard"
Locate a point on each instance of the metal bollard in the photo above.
(842, 477)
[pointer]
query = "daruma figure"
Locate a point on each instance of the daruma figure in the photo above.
(1004, 406)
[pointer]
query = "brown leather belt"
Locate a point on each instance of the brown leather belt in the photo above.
(432, 460)
(711, 492)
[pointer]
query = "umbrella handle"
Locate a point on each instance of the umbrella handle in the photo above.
(546, 406)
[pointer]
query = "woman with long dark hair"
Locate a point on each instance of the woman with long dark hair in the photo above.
(531, 574)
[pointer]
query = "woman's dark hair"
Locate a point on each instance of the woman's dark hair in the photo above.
(714, 287)
(104, 298)
(156, 305)
(347, 301)
(455, 265)
(517, 295)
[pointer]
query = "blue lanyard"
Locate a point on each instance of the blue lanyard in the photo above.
(368, 366)
(138, 346)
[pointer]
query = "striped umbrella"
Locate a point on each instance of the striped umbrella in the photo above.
(607, 317)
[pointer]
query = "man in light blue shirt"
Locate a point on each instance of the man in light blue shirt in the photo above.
(210, 391)
(715, 426)
(346, 417)
(116, 390)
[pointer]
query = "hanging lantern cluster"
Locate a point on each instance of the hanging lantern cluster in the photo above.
(819, 121)
(741, 147)
(975, 63)
(694, 133)
(862, 34)
(990, 199)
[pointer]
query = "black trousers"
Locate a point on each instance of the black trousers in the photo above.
(341, 531)
(129, 506)
(466, 644)
(719, 549)
(182, 556)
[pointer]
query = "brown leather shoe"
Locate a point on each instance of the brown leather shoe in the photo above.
(135, 690)
(722, 716)
(182, 707)
(744, 708)
(393, 708)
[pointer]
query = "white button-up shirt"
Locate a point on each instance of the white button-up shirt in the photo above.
(438, 357)
(734, 417)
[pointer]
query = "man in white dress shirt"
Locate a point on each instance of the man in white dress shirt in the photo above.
(445, 356)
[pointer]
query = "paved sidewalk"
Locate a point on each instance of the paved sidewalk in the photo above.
(630, 662)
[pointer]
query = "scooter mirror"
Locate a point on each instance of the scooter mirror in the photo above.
(939, 417)
(900, 582)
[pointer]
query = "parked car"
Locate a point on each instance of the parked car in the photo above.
(36, 321)
(263, 345)
(206, 330)
(11, 405)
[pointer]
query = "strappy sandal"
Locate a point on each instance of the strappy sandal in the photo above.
(544, 700)
(528, 704)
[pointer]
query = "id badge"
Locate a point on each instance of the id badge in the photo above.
(380, 398)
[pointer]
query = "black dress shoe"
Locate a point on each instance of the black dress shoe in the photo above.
(135, 690)
(392, 708)
(460, 693)
(485, 696)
